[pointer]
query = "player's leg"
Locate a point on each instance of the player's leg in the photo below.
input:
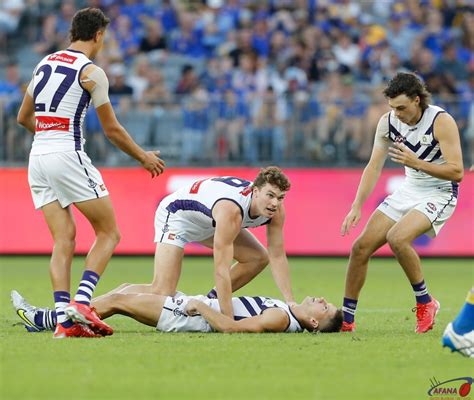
(251, 256)
(167, 270)
(100, 214)
(459, 334)
(400, 238)
(143, 307)
(372, 238)
(62, 227)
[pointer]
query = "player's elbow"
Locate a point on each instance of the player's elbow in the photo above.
(21, 119)
(458, 174)
(112, 132)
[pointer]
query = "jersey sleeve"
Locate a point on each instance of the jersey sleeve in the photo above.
(100, 92)
(381, 139)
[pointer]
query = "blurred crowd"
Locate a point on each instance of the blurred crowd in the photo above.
(296, 82)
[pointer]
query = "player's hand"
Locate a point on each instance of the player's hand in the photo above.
(351, 220)
(401, 154)
(153, 163)
(291, 303)
(191, 307)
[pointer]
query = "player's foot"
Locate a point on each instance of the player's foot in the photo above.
(76, 330)
(425, 315)
(348, 327)
(85, 314)
(463, 344)
(25, 311)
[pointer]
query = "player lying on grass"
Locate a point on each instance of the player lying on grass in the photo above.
(183, 313)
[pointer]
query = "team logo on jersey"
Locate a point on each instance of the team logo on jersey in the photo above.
(52, 124)
(425, 139)
(63, 57)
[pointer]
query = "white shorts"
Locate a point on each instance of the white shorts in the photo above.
(173, 229)
(174, 319)
(436, 203)
(67, 177)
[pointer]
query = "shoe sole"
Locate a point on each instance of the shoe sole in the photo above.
(433, 324)
(76, 316)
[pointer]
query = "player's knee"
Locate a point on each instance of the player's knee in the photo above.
(262, 259)
(395, 240)
(361, 248)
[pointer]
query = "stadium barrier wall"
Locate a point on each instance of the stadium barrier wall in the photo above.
(315, 208)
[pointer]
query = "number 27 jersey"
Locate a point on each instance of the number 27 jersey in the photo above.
(60, 102)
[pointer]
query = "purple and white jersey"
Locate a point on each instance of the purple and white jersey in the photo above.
(420, 139)
(60, 102)
(173, 316)
(246, 306)
(192, 206)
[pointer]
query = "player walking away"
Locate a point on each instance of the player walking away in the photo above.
(425, 139)
(183, 313)
(216, 212)
(459, 334)
(60, 173)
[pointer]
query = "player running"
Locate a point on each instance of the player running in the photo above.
(425, 139)
(60, 173)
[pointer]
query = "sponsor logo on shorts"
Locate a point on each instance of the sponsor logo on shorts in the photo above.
(91, 183)
(171, 236)
(63, 57)
(102, 187)
(52, 124)
(166, 228)
(178, 313)
(179, 302)
(385, 204)
(431, 206)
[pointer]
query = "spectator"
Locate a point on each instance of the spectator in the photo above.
(154, 39)
(188, 80)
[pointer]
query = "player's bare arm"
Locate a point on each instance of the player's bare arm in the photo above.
(26, 114)
(370, 176)
(277, 254)
(447, 134)
(271, 320)
(228, 218)
(94, 80)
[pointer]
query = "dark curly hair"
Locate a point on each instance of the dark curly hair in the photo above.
(410, 85)
(334, 324)
(274, 176)
(86, 23)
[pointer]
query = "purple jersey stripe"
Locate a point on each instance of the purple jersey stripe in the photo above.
(188, 205)
(83, 103)
(248, 306)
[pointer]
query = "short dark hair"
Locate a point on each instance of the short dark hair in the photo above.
(334, 324)
(274, 176)
(410, 85)
(86, 23)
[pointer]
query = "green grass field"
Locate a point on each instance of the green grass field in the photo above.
(385, 359)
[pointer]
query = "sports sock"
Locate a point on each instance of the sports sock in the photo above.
(46, 318)
(212, 294)
(86, 287)
(349, 307)
(464, 322)
(61, 300)
(421, 293)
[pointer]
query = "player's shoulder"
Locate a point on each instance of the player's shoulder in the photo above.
(275, 319)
